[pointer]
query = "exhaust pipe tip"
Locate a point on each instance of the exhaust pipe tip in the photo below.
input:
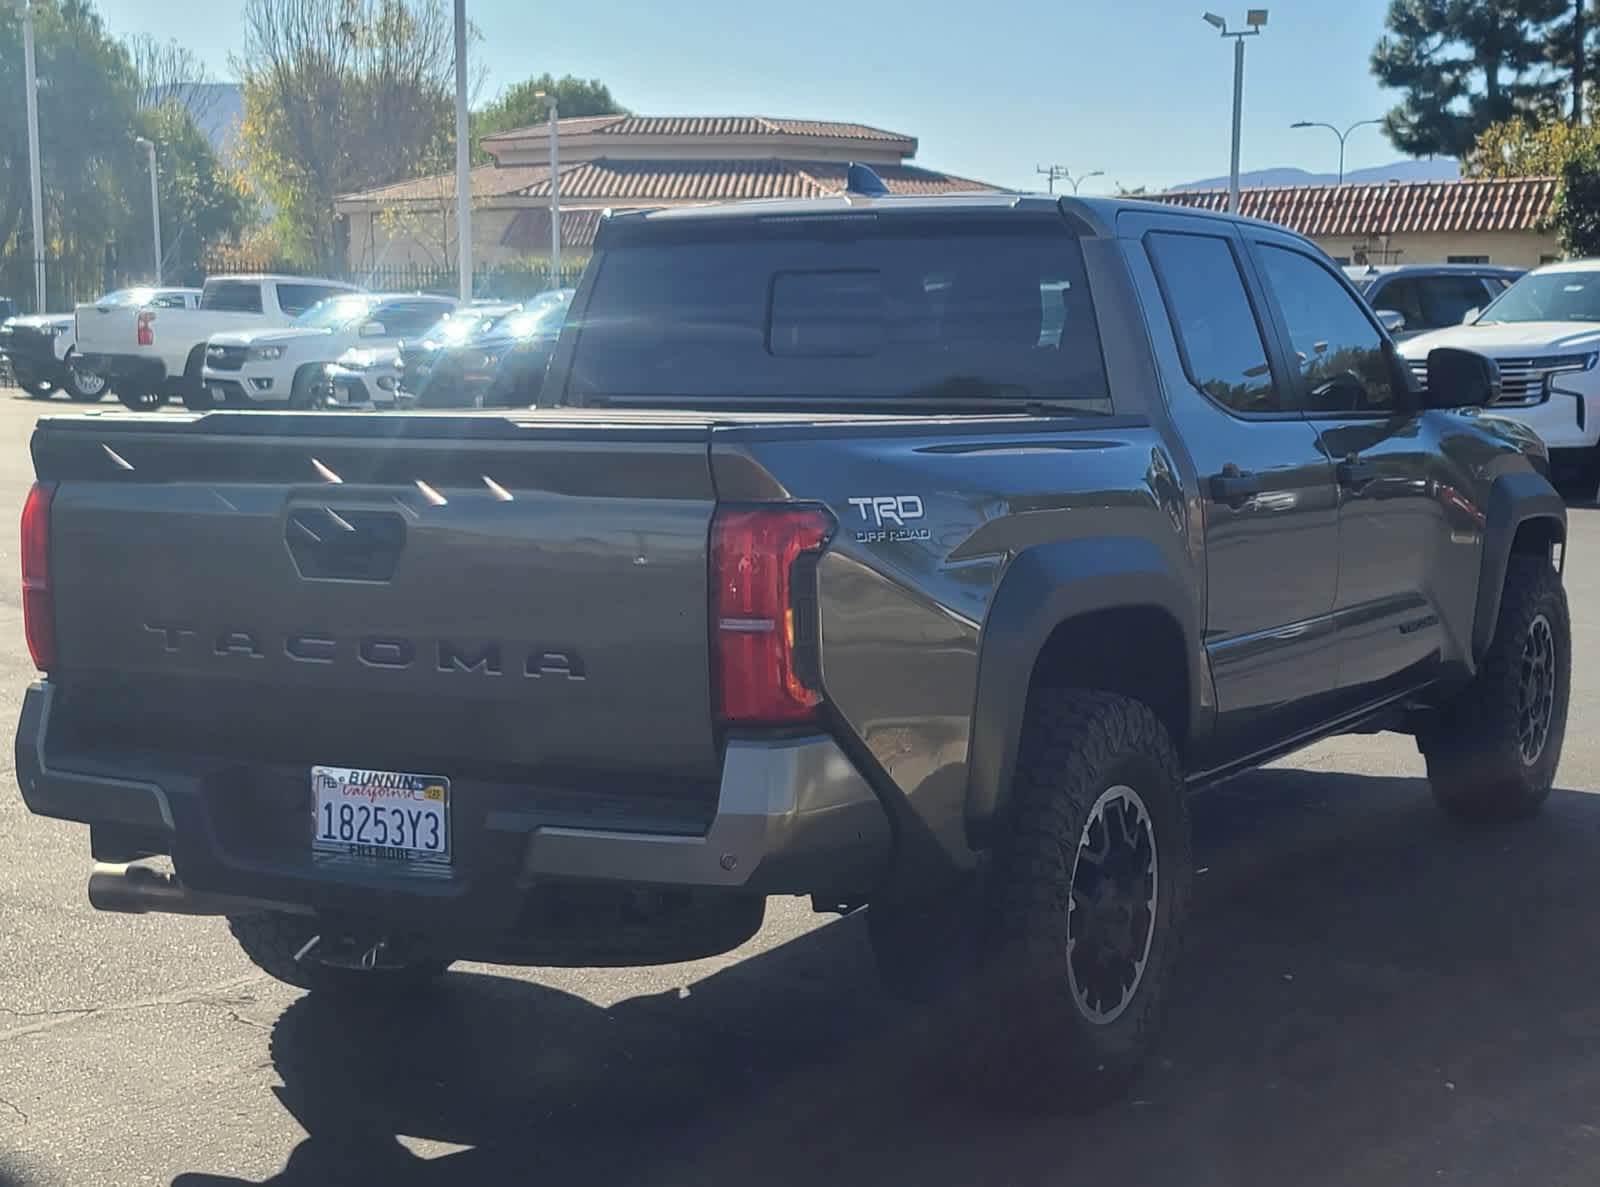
(137, 890)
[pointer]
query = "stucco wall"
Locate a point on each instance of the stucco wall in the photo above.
(1514, 249)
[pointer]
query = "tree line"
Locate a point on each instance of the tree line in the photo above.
(338, 96)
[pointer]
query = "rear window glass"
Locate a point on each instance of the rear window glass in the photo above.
(840, 314)
(295, 299)
(232, 296)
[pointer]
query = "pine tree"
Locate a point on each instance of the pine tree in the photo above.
(1467, 64)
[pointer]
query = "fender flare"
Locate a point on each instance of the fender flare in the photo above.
(1514, 500)
(1040, 590)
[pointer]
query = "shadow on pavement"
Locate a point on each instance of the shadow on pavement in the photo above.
(1372, 995)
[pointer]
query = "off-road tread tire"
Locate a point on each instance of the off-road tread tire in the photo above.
(37, 389)
(1475, 766)
(271, 939)
(1043, 1053)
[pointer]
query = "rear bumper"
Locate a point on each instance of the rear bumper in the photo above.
(793, 816)
(127, 369)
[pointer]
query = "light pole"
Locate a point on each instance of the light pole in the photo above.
(31, 81)
(555, 187)
(1336, 132)
(1255, 20)
(1078, 181)
(155, 202)
(463, 161)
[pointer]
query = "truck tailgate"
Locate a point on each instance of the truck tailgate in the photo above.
(518, 596)
(105, 329)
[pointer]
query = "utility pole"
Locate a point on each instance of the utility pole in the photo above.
(463, 160)
(155, 203)
(25, 11)
(1255, 20)
(1053, 172)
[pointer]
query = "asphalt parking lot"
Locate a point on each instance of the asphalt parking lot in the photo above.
(1372, 996)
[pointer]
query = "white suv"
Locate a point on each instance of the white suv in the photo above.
(287, 365)
(1544, 332)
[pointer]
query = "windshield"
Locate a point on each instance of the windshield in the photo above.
(334, 313)
(1548, 296)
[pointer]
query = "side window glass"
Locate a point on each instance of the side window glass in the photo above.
(1217, 332)
(1340, 351)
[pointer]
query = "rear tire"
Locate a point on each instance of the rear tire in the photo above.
(85, 387)
(142, 399)
(271, 941)
(1088, 892)
(1492, 752)
(38, 389)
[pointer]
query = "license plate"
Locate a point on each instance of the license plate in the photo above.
(386, 816)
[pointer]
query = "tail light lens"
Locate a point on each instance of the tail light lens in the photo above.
(147, 329)
(38, 605)
(757, 627)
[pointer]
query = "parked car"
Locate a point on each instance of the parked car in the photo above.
(363, 377)
(418, 355)
(1414, 298)
(923, 560)
(1544, 333)
(151, 354)
(286, 365)
(503, 365)
(43, 349)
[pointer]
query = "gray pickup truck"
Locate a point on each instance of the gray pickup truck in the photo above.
(912, 554)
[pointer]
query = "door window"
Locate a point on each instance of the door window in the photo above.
(1217, 332)
(1341, 355)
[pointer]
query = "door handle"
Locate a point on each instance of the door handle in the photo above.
(1233, 486)
(1354, 472)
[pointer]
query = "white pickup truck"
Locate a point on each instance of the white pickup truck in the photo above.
(151, 354)
(288, 364)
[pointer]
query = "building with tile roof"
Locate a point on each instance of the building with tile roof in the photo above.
(1471, 221)
(621, 162)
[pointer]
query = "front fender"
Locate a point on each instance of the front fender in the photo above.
(1514, 500)
(1041, 589)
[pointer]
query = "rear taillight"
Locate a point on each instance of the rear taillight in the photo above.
(761, 617)
(147, 329)
(38, 607)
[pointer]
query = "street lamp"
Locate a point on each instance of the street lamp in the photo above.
(155, 201)
(1062, 173)
(31, 81)
(555, 186)
(1336, 132)
(463, 161)
(1255, 20)
(1078, 181)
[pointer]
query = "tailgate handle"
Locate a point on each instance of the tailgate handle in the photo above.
(345, 544)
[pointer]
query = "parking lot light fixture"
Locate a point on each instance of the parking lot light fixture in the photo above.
(1255, 21)
(1341, 135)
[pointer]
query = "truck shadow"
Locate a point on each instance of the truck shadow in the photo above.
(1372, 994)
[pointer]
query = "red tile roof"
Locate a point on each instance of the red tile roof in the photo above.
(700, 126)
(644, 183)
(1516, 204)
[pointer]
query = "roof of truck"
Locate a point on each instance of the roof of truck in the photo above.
(1100, 213)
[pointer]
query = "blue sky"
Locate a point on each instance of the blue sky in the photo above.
(1140, 89)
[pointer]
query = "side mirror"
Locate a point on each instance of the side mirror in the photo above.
(1471, 315)
(1392, 320)
(373, 329)
(1461, 378)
